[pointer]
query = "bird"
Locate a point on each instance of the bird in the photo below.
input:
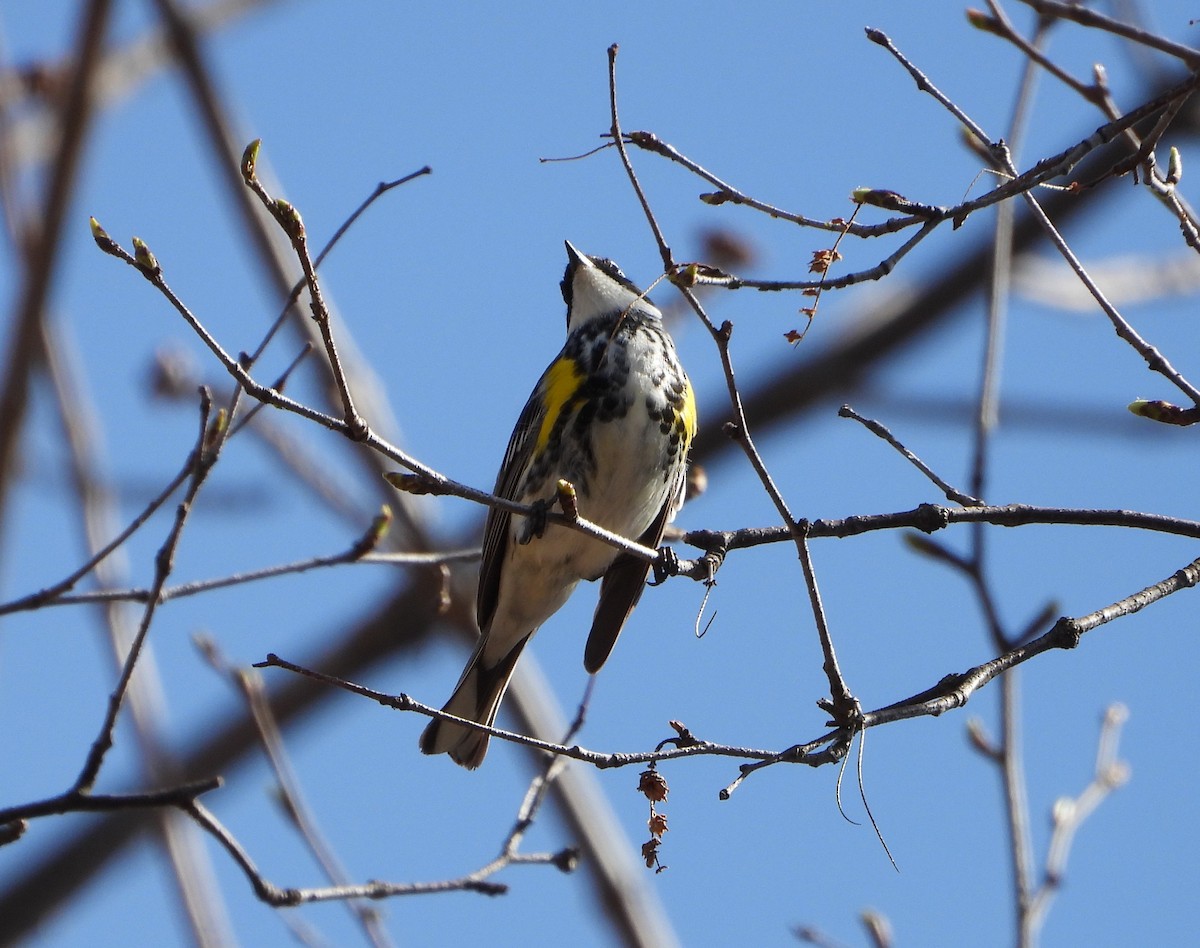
(613, 416)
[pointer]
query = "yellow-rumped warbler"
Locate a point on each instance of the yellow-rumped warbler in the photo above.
(614, 415)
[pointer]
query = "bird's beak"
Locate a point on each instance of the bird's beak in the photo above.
(579, 259)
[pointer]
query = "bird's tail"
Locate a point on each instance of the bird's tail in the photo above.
(476, 698)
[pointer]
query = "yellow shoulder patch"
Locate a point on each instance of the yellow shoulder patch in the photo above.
(688, 411)
(562, 381)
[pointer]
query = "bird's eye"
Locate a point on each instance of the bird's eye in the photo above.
(610, 268)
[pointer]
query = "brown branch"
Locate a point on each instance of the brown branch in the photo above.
(204, 455)
(81, 801)
(1088, 17)
(1001, 155)
(45, 243)
(880, 431)
(249, 684)
(842, 704)
(951, 692)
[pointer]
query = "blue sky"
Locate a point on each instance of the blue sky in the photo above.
(450, 287)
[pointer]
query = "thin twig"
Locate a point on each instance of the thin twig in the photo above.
(1111, 773)
(1085, 16)
(925, 85)
(201, 901)
(1000, 153)
(272, 894)
(381, 189)
(292, 225)
(842, 701)
(476, 881)
(951, 692)
(354, 554)
(425, 479)
(204, 456)
(1155, 360)
(876, 428)
(928, 216)
(55, 593)
(81, 801)
(249, 684)
(929, 518)
(1098, 93)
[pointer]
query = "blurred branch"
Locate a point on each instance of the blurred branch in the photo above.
(203, 457)
(123, 66)
(630, 907)
(249, 684)
(1069, 814)
(1088, 17)
(199, 894)
(43, 244)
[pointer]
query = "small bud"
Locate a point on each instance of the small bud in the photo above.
(1063, 811)
(979, 738)
(982, 21)
(216, 428)
(879, 927)
(881, 197)
(382, 522)
(1174, 166)
(686, 276)
(1164, 412)
(657, 824)
(1115, 775)
(410, 483)
(250, 160)
(374, 533)
(566, 860)
(715, 198)
(380, 525)
(145, 260)
(567, 499)
(289, 219)
(103, 241)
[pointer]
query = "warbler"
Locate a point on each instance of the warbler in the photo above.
(614, 416)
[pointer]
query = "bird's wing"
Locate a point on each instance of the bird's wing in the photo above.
(620, 591)
(508, 482)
